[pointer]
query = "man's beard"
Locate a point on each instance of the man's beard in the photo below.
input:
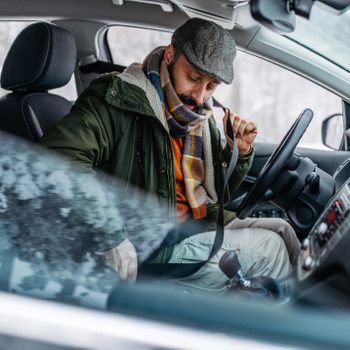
(198, 109)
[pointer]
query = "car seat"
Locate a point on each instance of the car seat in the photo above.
(42, 57)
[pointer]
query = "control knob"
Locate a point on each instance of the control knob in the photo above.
(322, 229)
(309, 263)
(306, 244)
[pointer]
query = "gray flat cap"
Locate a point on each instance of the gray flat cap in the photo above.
(207, 46)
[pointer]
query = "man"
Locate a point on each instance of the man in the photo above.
(152, 126)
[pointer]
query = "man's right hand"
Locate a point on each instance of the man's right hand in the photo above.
(244, 130)
(123, 258)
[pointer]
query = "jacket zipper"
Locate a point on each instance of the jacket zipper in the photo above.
(131, 161)
(171, 187)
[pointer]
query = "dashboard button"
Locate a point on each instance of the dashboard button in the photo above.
(305, 244)
(322, 228)
(308, 263)
(332, 216)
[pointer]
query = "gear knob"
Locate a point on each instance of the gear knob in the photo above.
(229, 264)
(260, 285)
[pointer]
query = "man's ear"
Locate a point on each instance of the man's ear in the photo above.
(169, 54)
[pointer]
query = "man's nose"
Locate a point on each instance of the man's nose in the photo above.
(198, 94)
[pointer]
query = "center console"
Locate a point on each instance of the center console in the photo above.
(323, 268)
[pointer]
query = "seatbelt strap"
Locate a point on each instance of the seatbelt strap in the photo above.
(192, 227)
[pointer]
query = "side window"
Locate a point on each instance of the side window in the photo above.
(274, 97)
(8, 33)
(128, 45)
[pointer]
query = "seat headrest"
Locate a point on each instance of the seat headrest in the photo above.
(42, 57)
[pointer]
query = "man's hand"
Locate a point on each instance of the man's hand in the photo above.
(123, 258)
(244, 130)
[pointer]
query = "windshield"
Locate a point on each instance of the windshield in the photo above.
(326, 33)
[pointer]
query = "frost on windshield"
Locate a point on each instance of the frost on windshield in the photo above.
(56, 221)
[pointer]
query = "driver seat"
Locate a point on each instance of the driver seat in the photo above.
(42, 57)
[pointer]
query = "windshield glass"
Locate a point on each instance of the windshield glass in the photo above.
(327, 33)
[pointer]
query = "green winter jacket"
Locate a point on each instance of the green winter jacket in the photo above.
(117, 125)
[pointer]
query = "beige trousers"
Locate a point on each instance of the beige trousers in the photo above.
(260, 252)
(281, 227)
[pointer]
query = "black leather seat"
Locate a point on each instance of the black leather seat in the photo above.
(42, 57)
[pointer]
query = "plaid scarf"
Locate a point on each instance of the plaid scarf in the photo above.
(197, 162)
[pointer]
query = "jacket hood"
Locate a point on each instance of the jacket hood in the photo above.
(134, 92)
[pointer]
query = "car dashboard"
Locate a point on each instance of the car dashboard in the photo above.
(323, 268)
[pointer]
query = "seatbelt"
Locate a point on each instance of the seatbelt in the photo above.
(192, 227)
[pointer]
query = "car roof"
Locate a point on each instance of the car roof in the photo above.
(250, 35)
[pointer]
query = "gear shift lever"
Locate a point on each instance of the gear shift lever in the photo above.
(231, 267)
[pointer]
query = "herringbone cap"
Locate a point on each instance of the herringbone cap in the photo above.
(207, 46)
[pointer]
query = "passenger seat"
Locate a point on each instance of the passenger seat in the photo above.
(43, 57)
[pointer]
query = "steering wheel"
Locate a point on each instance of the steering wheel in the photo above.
(274, 164)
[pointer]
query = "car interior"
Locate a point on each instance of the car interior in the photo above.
(310, 188)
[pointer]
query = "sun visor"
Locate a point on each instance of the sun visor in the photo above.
(222, 12)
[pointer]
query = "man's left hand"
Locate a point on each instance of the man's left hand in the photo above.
(244, 130)
(123, 259)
